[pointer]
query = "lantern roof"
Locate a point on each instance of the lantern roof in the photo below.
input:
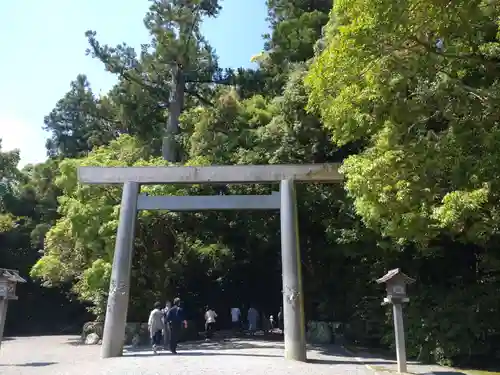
(11, 275)
(395, 274)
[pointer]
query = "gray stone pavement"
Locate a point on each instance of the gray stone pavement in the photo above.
(61, 355)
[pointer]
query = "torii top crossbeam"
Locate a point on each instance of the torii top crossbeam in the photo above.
(236, 174)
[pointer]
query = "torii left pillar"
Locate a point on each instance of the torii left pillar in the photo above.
(119, 289)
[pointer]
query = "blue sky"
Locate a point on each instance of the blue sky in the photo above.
(43, 50)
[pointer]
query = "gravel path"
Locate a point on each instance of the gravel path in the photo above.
(61, 355)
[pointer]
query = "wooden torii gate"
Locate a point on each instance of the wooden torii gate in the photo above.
(132, 201)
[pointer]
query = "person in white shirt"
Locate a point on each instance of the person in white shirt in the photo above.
(271, 323)
(155, 326)
(235, 318)
(210, 316)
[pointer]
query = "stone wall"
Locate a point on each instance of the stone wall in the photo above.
(319, 332)
(136, 334)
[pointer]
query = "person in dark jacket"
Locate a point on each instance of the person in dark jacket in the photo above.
(281, 324)
(166, 331)
(175, 319)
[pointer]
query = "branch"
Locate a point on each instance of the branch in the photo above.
(106, 57)
(471, 90)
(157, 91)
(218, 77)
(226, 82)
(475, 57)
(199, 97)
(190, 33)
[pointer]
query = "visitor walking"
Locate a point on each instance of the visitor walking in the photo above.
(210, 316)
(281, 326)
(155, 326)
(175, 319)
(271, 324)
(252, 316)
(166, 330)
(235, 319)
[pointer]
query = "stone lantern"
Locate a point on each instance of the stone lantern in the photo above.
(396, 282)
(8, 281)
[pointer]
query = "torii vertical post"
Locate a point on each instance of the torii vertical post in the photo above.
(293, 298)
(132, 177)
(119, 286)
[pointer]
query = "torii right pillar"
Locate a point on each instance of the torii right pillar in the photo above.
(293, 297)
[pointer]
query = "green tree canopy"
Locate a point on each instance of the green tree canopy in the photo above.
(418, 84)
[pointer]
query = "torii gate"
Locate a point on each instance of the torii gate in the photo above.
(132, 177)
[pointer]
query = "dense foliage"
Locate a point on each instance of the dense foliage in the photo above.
(418, 84)
(404, 93)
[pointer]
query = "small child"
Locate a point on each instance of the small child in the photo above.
(156, 326)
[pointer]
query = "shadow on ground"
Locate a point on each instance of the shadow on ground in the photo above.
(341, 355)
(215, 345)
(367, 355)
(31, 364)
(339, 351)
(322, 361)
(195, 353)
(75, 342)
(218, 348)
